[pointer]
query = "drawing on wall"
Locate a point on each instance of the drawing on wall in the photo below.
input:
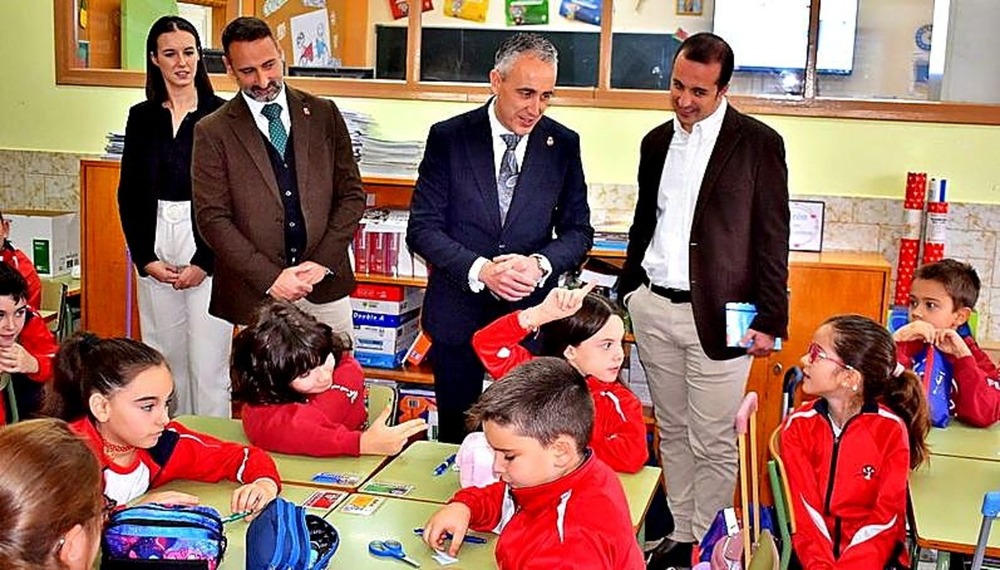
(314, 3)
(311, 40)
(588, 11)
(474, 10)
(272, 6)
(689, 7)
(401, 8)
(527, 12)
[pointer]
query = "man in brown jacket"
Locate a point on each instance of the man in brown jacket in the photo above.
(276, 189)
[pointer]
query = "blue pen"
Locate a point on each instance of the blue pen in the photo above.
(444, 465)
(468, 538)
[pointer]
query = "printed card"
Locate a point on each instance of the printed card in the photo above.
(393, 489)
(363, 505)
(443, 558)
(324, 500)
(340, 479)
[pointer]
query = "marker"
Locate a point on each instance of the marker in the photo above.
(444, 465)
(236, 516)
(468, 538)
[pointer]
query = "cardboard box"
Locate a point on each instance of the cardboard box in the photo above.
(51, 239)
(412, 299)
(385, 340)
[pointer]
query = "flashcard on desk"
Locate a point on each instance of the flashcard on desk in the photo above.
(361, 505)
(345, 479)
(443, 558)
(739, 316)
(380, 488)
(324, 499)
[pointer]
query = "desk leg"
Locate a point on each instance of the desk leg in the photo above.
(943, 560)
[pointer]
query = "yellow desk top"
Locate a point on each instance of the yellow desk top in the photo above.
(395, 519)
(947, 494)
(293, 468)
(960, 440)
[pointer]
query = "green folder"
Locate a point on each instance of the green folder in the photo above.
(137, 17)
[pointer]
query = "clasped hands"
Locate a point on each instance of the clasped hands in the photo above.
(295, 282)
(947, 341)
(511, 276)
(177, 277)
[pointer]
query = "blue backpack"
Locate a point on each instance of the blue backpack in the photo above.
(163, 536)
(283, 536)
(936, 373)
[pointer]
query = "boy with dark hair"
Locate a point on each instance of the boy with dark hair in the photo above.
(20, 262)
(556, 504)
(942, 297)
(27, 346)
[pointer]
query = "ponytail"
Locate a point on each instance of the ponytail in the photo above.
(87, 365)
(904, 395)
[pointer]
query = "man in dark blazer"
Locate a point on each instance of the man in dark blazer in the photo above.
(499, 212)
(710, 227)
(277, 191)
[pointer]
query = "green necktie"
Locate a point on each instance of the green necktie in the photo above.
(279, 138)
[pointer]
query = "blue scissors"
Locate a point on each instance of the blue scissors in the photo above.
(390, 549)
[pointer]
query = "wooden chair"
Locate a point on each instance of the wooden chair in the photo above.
(782, 499)
(54, 298)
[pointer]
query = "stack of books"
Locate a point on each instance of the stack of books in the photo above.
(115, 146)
(385, 323)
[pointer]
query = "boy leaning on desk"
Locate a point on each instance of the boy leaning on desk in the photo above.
(942, 297)
(556, 504)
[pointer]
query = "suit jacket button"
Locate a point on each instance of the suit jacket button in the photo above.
(502, 246)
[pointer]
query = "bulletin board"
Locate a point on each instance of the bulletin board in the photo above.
(317, 33)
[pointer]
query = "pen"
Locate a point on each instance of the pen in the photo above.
(468, 538)
(236, 516)
(444, 465)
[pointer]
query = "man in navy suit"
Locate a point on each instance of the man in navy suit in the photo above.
(499, 212)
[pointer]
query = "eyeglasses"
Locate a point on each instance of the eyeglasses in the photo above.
(816, 352)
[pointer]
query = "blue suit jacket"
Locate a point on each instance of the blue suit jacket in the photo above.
(455, 217)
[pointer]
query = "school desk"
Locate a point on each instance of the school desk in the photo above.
(960, 440)
(298, 469)
(395, 519)
(947, 494)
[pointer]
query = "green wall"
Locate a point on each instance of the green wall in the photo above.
(825, 156)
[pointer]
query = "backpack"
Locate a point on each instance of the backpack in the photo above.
(283, 536)
(163, 536)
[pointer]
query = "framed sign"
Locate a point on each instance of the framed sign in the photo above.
(689, 7)
(805, 225)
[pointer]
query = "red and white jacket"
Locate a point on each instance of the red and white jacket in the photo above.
(848, 493)
(580, 521)
(975, 394)
(38, 340)
(327, 425)
(619, 436)
(179, 454)
(17, 260)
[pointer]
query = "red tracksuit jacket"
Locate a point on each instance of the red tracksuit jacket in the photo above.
(328, 425)
(848, 493)
(39, 341)
(580, 521)
(20, 262)
(619, 437)
(975, 394)
(179, 454)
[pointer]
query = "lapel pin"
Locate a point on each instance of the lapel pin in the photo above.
(549, 141)
(305, 111)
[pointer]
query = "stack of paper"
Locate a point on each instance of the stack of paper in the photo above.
(380, 157)
(115, 146)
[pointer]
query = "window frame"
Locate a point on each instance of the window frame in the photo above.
(600, 96)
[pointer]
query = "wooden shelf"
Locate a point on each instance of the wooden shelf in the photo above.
(390, 280)
(409, 374)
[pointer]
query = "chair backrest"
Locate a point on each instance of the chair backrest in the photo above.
(7, 386)
(766, 555)
(990, 510)
(378, 396)
(54, 294)
(782, 498)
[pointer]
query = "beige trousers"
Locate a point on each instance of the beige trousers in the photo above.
(336, 314)
(695, 400)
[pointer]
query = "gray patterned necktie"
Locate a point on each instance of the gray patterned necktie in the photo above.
(276, 130)
(507, 179)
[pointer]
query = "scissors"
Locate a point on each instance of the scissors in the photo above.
(390, 549)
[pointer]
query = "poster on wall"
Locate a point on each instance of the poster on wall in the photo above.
(272, 6)
(311, 40)
(401, 8)
(588, 11)
(805, 225)
(527, 12)
(474, 10)
(689, 7)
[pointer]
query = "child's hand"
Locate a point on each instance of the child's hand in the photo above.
(16, 360)
(254, 496)
(171, 498)
(950, 342)
(916, 330)
(381, 439)
(558, 304)
(452, 518)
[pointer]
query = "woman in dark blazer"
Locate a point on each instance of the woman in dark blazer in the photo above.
(154, 200)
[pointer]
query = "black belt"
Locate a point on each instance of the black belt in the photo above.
(672, 295)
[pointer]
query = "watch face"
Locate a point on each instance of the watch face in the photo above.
(922, 37)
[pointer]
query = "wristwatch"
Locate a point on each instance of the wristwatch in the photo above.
(543, 267)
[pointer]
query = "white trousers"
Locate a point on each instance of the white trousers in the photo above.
(335, 314)
(195, 344)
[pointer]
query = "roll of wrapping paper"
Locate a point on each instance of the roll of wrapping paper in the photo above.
(909, 243)
(935, 230)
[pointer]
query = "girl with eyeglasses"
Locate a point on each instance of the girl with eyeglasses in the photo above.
(848, 452)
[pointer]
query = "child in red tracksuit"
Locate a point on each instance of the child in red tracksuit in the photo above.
(114, 393)
(849, 452)
(18, 261)
(586, 330)
(303, 391)
(942, 297)
(27, 346)
(556, 505)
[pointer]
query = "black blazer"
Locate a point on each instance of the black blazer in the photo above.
(739, 236)
(455, 219)
(149, 127)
